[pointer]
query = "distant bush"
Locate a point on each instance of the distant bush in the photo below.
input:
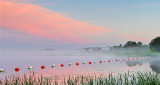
(155, 44)
(130, 44)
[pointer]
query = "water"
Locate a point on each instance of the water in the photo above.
(24, 59)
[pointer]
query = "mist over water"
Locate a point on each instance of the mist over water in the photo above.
(155, 63)
(36, 58)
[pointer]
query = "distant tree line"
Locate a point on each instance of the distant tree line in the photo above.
(154, 45)
(130, 44)
(93, 49)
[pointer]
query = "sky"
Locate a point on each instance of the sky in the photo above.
(73, 24)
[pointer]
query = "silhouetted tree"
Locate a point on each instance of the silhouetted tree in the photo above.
(130, 44)
(120, 46)
(139, 44)
(155, 44)
(99, 49)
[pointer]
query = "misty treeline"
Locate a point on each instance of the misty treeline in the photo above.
(154, 45)
(130, 44)
(93, 49)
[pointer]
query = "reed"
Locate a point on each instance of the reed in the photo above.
(137, 78)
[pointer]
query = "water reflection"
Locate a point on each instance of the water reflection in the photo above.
(155, 65)
(134, 63)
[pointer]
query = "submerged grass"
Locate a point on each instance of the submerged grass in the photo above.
(137, 78)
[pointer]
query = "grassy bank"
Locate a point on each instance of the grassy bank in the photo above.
(137, 78)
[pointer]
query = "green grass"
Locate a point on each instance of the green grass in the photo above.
(137, 78)
(31, 79)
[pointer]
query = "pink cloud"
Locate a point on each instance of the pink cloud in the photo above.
(36, 20)
(133, 37)
(18, 0)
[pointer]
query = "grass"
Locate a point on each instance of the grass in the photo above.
(137, 78)
(31, 79)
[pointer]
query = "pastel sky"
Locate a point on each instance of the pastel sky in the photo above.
(67, 24)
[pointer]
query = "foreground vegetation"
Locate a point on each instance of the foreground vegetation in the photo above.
(138, 78)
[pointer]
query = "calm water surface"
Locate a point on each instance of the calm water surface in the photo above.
(23, 59)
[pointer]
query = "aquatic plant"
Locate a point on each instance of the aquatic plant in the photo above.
(137, 78)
